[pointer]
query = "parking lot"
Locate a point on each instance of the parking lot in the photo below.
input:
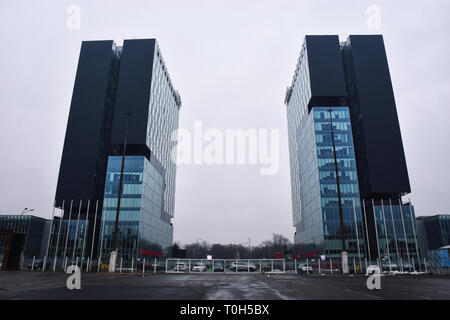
(219, 286)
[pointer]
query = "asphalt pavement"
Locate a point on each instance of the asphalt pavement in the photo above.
(49, 285)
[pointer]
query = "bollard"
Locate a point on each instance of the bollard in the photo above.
(132, 265)
(307, 266)
(154, 267)
(354, 266)
(331, 266)
(319, 265)
(121, 262)
(143, 267)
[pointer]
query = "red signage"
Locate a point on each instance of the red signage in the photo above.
(310, 254)
(149, 253)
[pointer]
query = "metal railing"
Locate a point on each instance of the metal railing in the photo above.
(177, 265)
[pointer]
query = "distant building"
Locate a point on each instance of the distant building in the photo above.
(342, 118)
(33, 232)
(433, 232)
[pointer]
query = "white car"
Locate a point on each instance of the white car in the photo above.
(242, 266)
(199, 267)
(303, 268)
(180, 266)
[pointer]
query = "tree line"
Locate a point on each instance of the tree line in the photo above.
(269, 249)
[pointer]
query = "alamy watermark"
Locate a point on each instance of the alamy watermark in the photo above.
(74, 281)
(73, 21)
(374, 279)
(374, 19)
(228, 147)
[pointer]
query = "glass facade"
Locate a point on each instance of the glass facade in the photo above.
(32, 227)
(297, 98)
(142, 225)
(396, 229)
(320, 224)
(163, 120)
(70, 238)
(437, 231)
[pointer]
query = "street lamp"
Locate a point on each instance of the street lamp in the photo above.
(344, 254)
(25, 211)
(113, 258)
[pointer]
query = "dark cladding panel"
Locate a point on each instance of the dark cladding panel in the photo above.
(133, 94)
(325, 70)
(381, 141)
(82, 159)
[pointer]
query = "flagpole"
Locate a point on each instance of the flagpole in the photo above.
(85, 229)
(376, 229)
(75, 238)
(415, 238)
(59, 232)
(385, 235)
(404, 231)
(395, 232)
(357, 233)
(49, 236)
(68, 229)
(367, 230)
(93, 231)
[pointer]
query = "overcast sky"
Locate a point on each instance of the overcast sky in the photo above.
(231, 61)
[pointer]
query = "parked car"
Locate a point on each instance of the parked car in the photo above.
(242, 266)
(218, 267)
(180, 266)
(304, 268)
(385, 266)
(199, 267)
(38, 264)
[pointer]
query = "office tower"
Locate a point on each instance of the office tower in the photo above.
(316, 111)
(342, 118)
(123, 95)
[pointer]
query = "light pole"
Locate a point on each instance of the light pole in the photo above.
(113, 258)
(26, 210)
(344, 254)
